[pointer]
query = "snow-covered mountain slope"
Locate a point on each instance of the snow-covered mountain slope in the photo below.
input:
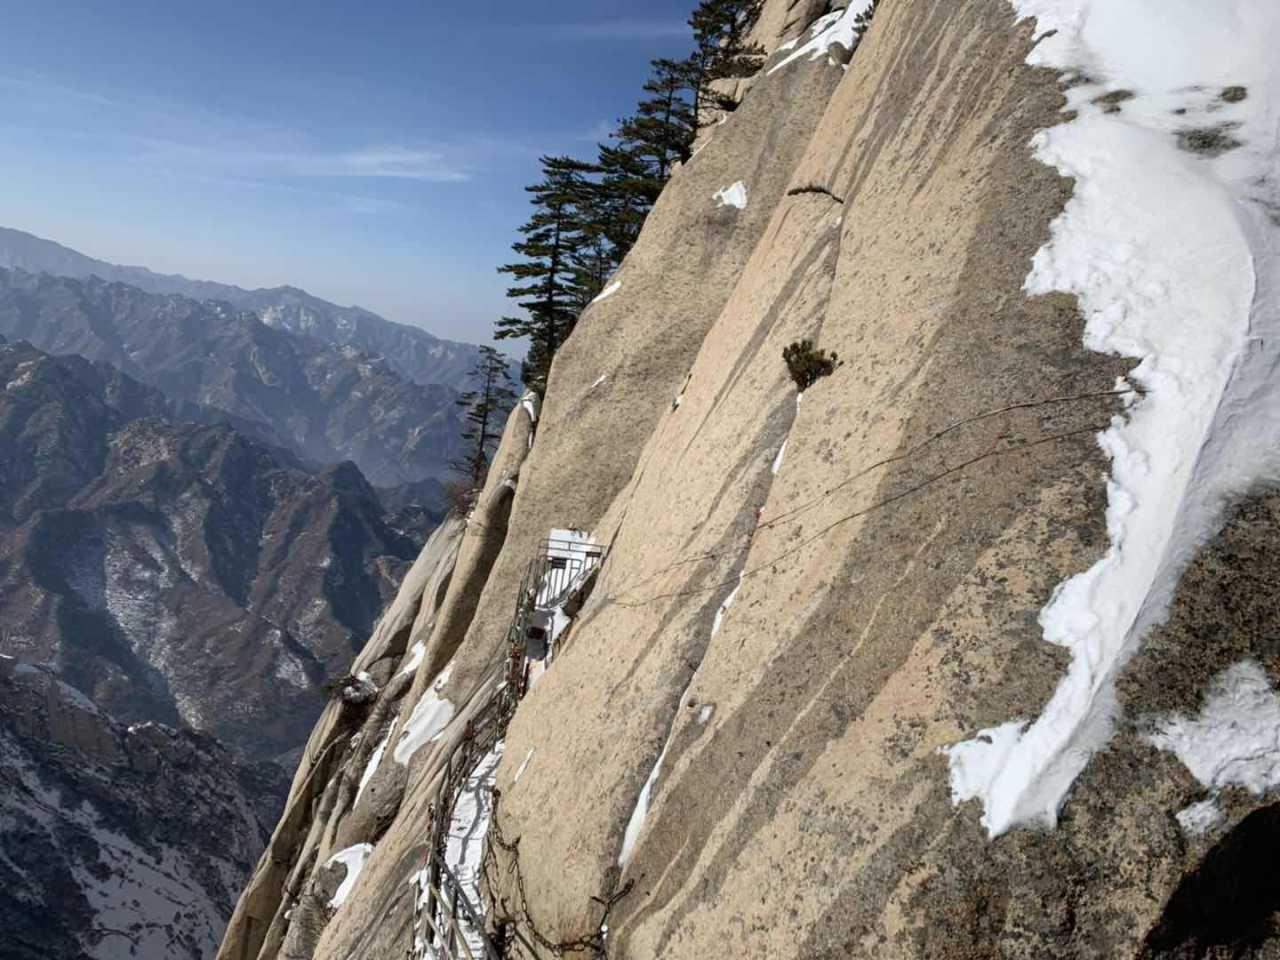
(118, 842)
(970, 650)
(411, 351)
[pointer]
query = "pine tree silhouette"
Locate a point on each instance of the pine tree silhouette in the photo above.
(485, 408)
(665, 124)
(720, 30)
(587, 216)
(544, 287)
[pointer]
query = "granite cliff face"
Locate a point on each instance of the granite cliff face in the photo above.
(809, 709)
(174, 571)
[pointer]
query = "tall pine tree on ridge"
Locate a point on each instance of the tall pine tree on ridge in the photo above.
(485, 406)
(587, 216)
(545, 277)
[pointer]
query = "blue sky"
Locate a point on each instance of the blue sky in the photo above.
(373, 153)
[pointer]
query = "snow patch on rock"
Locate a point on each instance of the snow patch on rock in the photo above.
(464, 852)
(430, 716)
(1176, 264)
(371, 767)
(724, 607)
(1199, 818)
(354, 859)
(777, 461)
(1235, 741)
(469, 823)
(524, 765)
(414, 660)
(734, 195)
(531, 404)
(641, 811)
(836, 27)
(608, 291)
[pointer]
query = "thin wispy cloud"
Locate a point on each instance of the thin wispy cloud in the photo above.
(174, 133)
(44, 86)
(613, 29)
(359, 204)
(390, 162)
(371, 163)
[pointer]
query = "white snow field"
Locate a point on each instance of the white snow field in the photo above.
(1170, 243)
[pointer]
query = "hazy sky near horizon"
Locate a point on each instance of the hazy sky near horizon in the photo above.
(372, 154)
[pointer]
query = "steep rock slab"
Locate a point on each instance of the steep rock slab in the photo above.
(630, 355)
(740, 744)
(365, 776)
(394, 813)
(904, 248)
(625, 364)
(808, 667)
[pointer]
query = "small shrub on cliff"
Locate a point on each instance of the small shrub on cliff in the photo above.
(356, 690)
(807, 364)
(460, 497)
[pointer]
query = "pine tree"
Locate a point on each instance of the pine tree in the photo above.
(591, 259)
(665, 124)
(544, 287)
(720, 30)
(485, 407)
(588, 216)
(634, 169)
(629, 186)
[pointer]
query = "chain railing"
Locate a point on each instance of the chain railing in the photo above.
(442, 904)
(444, 913)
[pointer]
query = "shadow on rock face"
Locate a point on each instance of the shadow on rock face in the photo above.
(1230, 906)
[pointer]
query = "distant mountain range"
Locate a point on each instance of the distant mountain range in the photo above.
(175, 571)
(189, 549)
(412, 352)
(327, 402)
(119, 840)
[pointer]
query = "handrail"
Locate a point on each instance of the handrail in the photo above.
(560, 573)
